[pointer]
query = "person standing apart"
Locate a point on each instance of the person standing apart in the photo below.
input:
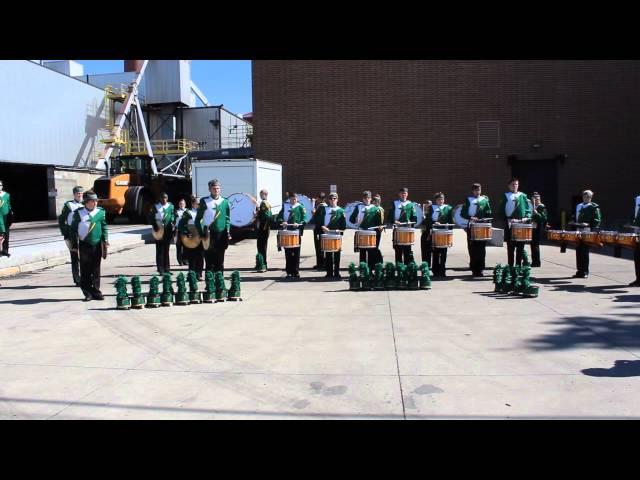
(89, 237)
(162, 217)
(588, 217)
(264, 219)
(64, 222)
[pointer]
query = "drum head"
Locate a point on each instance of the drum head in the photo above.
(348, 210)
(419, 214)
(305, 201)
(242, 207)
(457, 218)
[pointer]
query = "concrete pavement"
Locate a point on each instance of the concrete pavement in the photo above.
(312, 349)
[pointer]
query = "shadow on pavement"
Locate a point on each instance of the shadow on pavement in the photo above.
(622, 331)
(621, 368)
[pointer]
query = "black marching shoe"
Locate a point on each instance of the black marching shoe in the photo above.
(97, 295)
(580, 275)
(635, 283)
(87, 297)
(337, 276)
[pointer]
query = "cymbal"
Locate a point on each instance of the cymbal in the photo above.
(194, 240)
(158, 234)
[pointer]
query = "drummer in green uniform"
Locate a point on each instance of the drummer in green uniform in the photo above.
(438, 214)
(476, 207)
(331, 218)
(588, 217)
(514, 206)
(295, 221)
(368, 217)
(88, 235)
(403, 211)
(64, 222)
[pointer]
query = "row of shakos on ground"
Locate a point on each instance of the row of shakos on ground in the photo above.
(515, 280)
(215, 290)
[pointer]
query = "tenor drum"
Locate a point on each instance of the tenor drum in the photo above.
(570, 237)
(404, 236)
(481, 232)
(608, 237)
(590, 238)
(366, 239)
(289, 238)
(554, 235)
(628, 240)
(441, 238)
(330, 242)
(521, 232)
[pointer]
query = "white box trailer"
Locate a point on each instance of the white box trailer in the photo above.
(241, 178)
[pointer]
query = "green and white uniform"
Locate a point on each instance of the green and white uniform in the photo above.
(478, 207)
(88, 230)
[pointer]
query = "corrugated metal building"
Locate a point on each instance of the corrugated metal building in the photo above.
(48, 125)
(51, 114)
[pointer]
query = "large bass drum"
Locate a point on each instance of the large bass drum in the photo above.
(348, 210)
(242, 207)
(457, 218)
(306, 203)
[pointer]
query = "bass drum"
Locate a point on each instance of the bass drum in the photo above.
(348, 210)
(457, 218)
(242, 207)
(419, 214)
(305, 201)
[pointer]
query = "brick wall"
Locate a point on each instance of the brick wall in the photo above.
(380, 125)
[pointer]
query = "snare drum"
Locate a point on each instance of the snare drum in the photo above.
(330, 242)
(570, 237)
(289, 238)
(554, 235)
(366, 239)
(521, 232)
(590, 238)
(481, 232)
(441, 238)
(608, 237)
(404, 236)
(628, 240)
